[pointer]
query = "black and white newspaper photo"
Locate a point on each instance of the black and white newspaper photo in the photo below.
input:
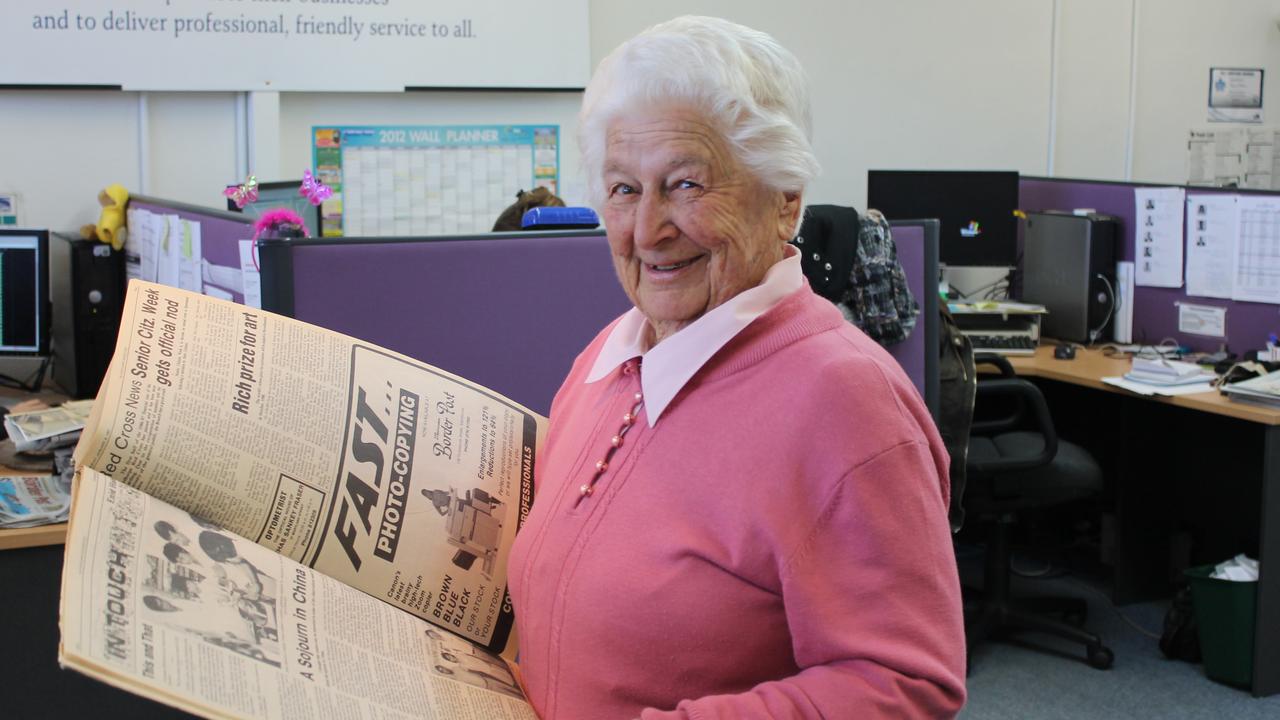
(169, 606)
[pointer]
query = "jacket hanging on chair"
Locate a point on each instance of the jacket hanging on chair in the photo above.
(852, 261)
(957, 389)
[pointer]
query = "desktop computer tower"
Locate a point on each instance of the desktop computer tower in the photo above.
(1069, 264)
(88, 283)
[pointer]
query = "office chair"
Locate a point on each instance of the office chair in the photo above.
(1010, 471)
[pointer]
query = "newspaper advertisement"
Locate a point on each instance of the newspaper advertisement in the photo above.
(164, 604)
(396, 478)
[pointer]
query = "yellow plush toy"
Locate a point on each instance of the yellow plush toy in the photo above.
(111, 228)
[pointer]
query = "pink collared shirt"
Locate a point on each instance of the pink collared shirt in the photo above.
(670, 364)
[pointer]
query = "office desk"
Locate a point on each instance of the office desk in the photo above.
(43, 534)
(1159, 446)
(1090, 366)
(34, 685)
(11, 539)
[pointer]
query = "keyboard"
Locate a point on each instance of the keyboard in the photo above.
(1005, 343)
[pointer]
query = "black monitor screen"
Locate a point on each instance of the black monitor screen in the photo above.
(975, 208)
(24, 296)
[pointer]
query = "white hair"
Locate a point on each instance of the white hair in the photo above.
(745, 82)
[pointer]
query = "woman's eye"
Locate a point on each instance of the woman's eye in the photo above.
(621, 189)
(687, 185)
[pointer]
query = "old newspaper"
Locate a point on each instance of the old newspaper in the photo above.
(385, 473)
(160, 603)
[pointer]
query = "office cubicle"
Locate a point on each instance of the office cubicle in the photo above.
(509, 311)
(917, 244)
(1155, 309)
(220, 234)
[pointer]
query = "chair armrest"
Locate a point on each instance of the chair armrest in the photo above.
(1039, 411)
(1014, 418)
(1000, 362)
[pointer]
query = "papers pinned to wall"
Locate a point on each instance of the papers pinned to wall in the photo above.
(1257, 259)
(189, 256)
(168, 259)
(1207, 320)
(1158, 236)
(141, 246)
(1234, 157)
(1235, 95)
(9, 210)
(250, 277)
(1212, 228)
(185, 248)
(1260, 159)
(1233, 247)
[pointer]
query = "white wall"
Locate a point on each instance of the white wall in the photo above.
(1178, 41)
(1074, 88)
(896, 84)
(191, 152)
(1093, 77)
(61, 147)
(915, 84)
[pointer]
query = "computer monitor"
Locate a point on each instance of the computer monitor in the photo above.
(975, 207)
(24, 292)
(282, 194)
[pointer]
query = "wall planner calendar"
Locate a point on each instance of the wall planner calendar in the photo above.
(428, 179)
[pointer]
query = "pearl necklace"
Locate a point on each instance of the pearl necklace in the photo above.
(615, 442)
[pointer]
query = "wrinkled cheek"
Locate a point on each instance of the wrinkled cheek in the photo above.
(626, 270)
(621, 243)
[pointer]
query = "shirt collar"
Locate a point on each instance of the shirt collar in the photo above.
(669, 365)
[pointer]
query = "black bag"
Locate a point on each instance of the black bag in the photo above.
(1181, 638)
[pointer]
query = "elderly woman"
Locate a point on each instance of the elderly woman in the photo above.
(742, 506)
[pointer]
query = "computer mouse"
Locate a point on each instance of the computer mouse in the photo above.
(1065, 352)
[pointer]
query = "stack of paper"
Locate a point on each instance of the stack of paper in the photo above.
(1264, 389)
(44, 430)
(1001, 307)
(1167, 372)
(1240, 568)
(1159, 376)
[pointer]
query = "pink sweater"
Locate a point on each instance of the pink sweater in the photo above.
(776, 546)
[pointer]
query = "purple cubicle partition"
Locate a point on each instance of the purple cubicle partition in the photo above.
(220, 231)
(509, 311)
(917, 246)
(1155, 312)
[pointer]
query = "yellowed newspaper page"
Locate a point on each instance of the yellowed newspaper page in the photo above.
(396, 478)
(157, 602)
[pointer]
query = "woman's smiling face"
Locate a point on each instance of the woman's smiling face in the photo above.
(688, 225)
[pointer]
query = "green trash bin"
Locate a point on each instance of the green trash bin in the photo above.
(1225, 615)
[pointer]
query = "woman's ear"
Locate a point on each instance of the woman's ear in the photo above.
(789, 204)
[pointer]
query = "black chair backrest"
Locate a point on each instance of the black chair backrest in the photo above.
(1031, 409)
